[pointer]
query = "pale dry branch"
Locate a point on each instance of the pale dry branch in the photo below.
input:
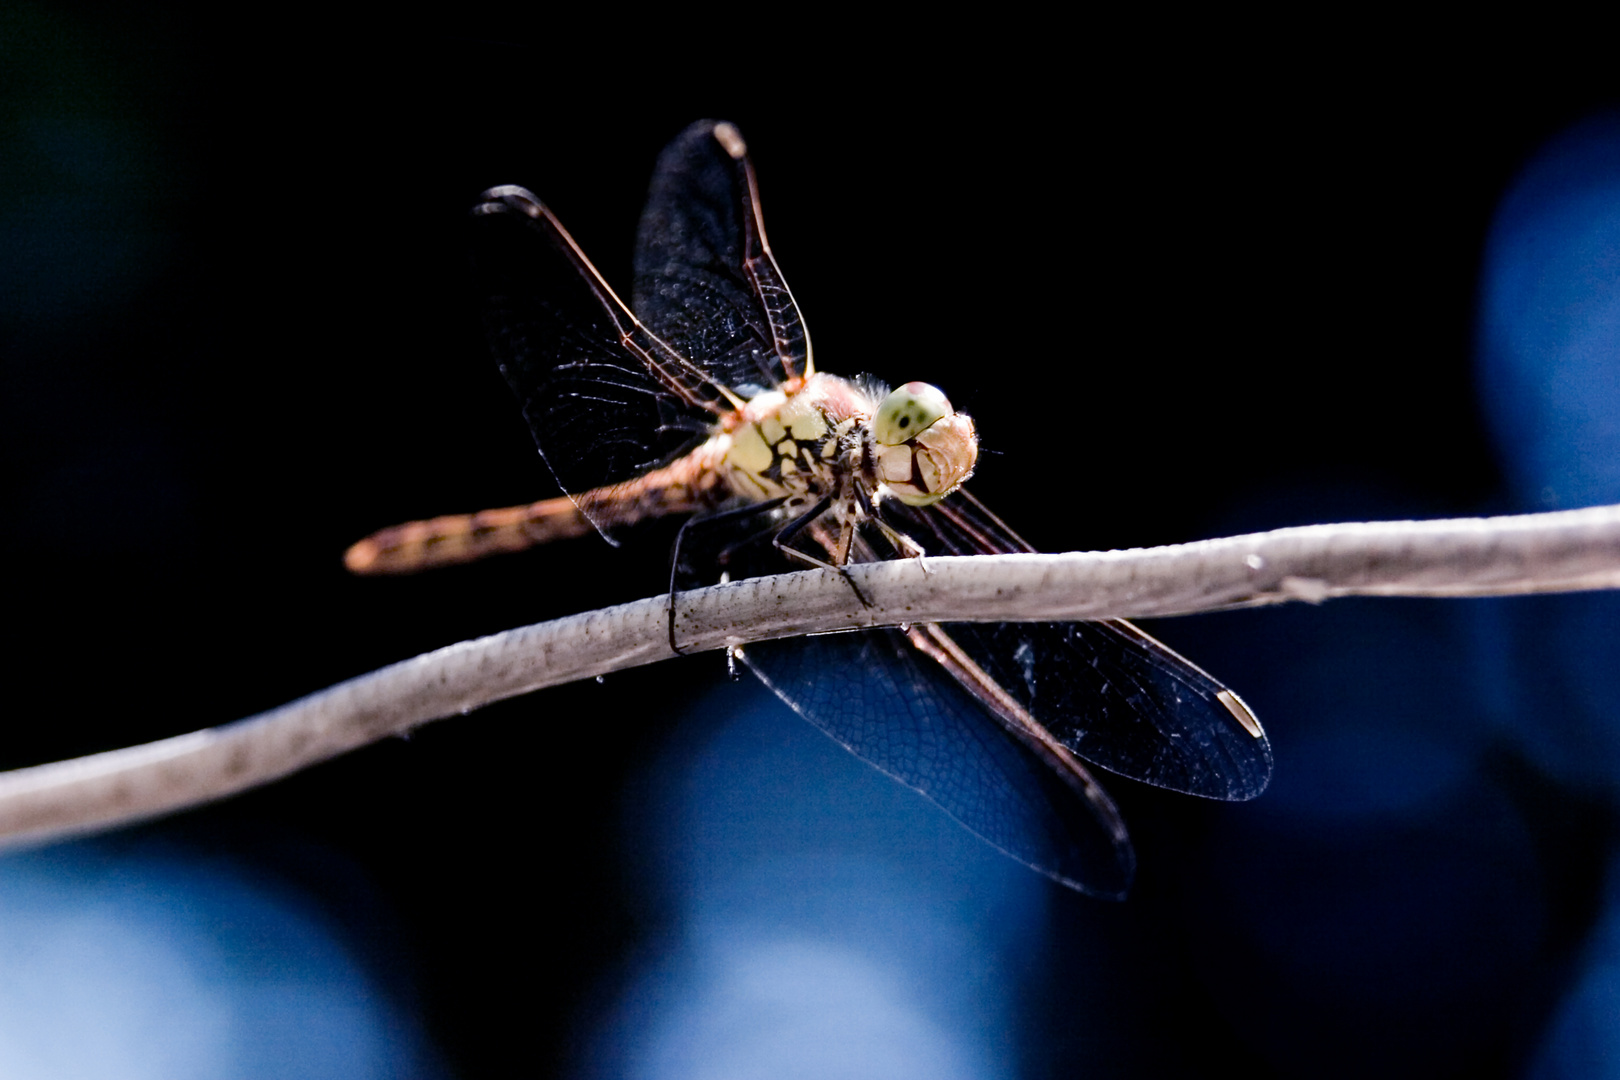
(1561, 552)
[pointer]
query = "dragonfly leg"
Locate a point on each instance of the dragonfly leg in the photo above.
(904, 546)
(698, 523)
(798, 525)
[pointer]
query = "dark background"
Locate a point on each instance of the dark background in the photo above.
(1181, 297)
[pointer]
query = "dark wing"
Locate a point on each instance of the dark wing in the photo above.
(605, 399)
(706, 281)
(1105, 690)
(881, 698)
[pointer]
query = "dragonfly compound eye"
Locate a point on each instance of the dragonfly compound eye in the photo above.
(925, 449)
(909, 411)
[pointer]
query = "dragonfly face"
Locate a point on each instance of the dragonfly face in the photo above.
(702, 398)
(924, 449)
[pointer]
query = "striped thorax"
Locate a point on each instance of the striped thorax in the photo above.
(831, 437)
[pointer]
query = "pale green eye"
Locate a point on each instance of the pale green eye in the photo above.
(907, 412)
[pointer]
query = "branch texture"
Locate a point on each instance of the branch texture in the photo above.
(1561, 552)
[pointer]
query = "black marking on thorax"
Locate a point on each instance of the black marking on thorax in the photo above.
(798, 465)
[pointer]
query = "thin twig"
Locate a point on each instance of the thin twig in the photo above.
(1561, 552)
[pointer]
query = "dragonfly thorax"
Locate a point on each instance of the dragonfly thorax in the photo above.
(832, 435)
(796, 445)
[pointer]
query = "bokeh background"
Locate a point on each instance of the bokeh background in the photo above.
(1184, 291)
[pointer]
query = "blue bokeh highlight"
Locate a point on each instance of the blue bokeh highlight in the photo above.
(1550, 323)
(824, 920)
(146, 962)
(1549, 373)
(1550, 383)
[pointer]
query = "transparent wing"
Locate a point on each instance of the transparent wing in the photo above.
(1121, 700)
(1106, 691)
(605, 399)
(875, 694)
(706, 281)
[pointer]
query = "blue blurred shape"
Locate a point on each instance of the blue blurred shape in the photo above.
(800, 1008)
(826, 921)
(1549, 355)
(143, 965)
(1582, 1041)
(1549, 364)
(1549, 345)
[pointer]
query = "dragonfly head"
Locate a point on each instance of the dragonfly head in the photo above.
(925, 449)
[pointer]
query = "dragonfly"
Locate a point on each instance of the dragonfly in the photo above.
(701, 397)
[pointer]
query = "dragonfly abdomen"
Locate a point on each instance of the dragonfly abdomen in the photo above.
(685, 486)
(459, 538)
